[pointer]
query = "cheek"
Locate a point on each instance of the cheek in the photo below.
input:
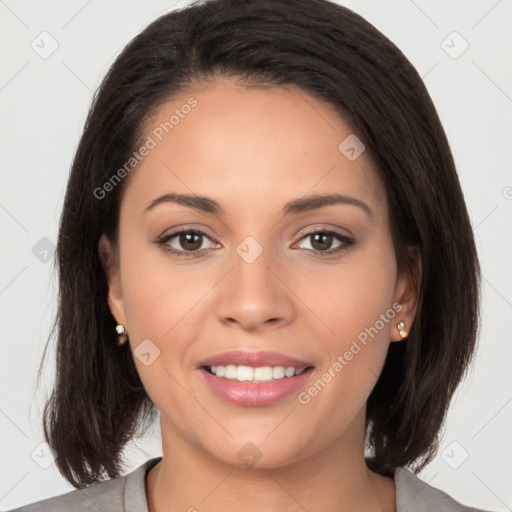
(157, 295)
(165, 302)
(351, 297)
(353, 306)
(159, 300)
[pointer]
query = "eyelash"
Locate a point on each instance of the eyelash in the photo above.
(346, 241)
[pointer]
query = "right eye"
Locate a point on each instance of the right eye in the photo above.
(186, 241)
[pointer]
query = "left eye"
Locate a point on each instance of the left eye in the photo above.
(323, 241)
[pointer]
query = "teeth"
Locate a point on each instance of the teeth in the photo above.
(230, 372)
(250, 374)
(244, 373)
(278, 372)
(289, 372)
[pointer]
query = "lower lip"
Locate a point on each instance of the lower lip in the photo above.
(255, 394)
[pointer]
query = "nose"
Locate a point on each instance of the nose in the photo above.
(254, 296)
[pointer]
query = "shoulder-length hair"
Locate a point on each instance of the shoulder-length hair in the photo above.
(98, 401)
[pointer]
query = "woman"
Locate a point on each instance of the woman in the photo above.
(264, 240)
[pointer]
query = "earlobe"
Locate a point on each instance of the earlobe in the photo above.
(407, 294)
(108, 258)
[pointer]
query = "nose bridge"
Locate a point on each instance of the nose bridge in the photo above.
(252, 295)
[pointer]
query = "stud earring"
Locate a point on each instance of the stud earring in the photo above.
(401, 328)
(122, 336)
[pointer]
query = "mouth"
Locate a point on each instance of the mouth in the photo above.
(243, 373)
(254, 378)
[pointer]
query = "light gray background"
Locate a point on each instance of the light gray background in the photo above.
(43, 103)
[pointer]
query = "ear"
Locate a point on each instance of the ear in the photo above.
(407, 292)
(110, 265)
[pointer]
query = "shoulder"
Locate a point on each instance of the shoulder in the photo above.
(94, 497)
(415, 495)
(123, 494)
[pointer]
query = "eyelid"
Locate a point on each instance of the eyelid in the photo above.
(325, 228)
(186, 228)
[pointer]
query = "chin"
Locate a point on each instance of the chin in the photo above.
(258, 452)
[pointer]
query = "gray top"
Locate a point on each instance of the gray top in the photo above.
(127, 494)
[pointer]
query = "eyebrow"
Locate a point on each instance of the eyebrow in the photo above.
(203, 204)
(318, 201)
(300, 205)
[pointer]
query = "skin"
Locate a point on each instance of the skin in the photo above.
(252, 151)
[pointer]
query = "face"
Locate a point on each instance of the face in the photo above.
(245, 231)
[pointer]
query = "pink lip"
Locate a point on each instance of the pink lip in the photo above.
(255, 394)
(254, 359)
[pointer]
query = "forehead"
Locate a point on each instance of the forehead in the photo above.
(252, 146)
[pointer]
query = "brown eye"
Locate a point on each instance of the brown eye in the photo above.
(191, 241)
(326, 242)
(321, 241)
(187, 242)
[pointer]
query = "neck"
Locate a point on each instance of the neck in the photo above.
(335, 478)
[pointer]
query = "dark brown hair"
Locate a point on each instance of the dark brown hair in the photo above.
(98, 402)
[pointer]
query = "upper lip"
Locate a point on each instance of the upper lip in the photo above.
(254, 359)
